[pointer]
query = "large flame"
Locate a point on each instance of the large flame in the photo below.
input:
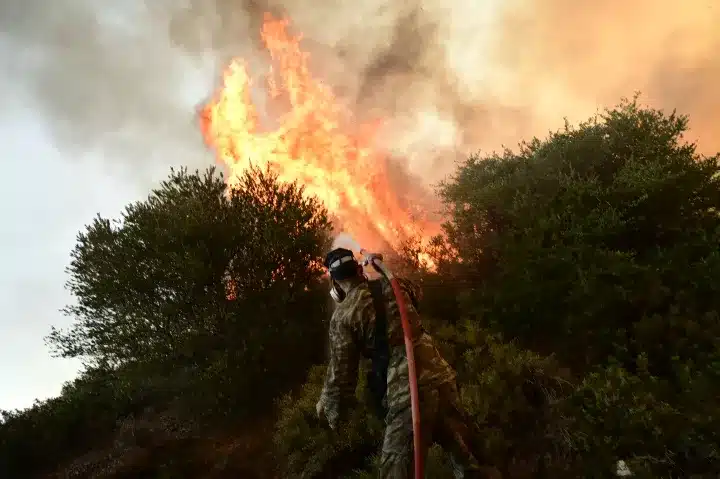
(311, 141)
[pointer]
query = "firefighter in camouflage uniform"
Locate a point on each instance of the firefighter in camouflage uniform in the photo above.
(367, 324)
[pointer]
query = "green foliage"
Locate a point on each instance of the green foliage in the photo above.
(309, 449)
(90, 404)
(594, 237)
(594, 253)
(599, 245)
(616, 414)
(203, 283)
(89, 413)
(513, 396)
(182, 305)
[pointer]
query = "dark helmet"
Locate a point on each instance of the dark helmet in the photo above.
(341, 264)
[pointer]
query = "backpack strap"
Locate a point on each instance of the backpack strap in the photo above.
(377, 376)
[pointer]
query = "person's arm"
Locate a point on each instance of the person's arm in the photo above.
(410, 303)
(342, 372)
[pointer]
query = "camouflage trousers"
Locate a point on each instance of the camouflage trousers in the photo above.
(443, 421)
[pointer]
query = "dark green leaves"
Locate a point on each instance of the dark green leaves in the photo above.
(600, 245)
(202, 278)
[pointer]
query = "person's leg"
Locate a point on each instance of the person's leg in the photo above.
(456, 436)
(397, 456)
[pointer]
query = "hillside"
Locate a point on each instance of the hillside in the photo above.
(576, 293)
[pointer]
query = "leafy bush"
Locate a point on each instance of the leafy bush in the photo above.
(600, 245)
(206, 283)
(603, 237)
(619, 415)
(575, 293)
(511, 394)
(53, 426)
(184, 304)
(85, 415)
(309, 449)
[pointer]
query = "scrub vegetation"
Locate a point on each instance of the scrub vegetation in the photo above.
(577, 292)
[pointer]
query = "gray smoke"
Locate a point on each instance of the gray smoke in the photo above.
(125, 78)
(570, 57)
(106, 80)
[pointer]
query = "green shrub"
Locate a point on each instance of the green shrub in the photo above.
(600, 245)
(309, 449)
(618, 415)
(207, 283)
(184, 303)
(600, 241)
(511, 394)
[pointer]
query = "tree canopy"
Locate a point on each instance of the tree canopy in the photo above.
(196, 262)
(604, 236)
(187, 299)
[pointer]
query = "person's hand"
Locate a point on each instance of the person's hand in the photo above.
(322, 416)
(369, 259)
(320, 409)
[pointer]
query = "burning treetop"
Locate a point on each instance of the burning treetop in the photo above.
(311, 143)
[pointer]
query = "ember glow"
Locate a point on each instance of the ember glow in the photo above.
(312, 141)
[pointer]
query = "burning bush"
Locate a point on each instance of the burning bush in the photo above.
(598, 246)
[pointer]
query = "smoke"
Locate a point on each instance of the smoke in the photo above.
(570, 57)
(106, 80)
(125, 77)
(483, 75)
(345, 240)
(387, 60)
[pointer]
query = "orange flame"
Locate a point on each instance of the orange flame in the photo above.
(312, 144)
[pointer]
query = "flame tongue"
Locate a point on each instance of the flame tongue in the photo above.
(311, 144)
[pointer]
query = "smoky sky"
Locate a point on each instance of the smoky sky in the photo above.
(454, 77)
(105, 79)
(449, 78)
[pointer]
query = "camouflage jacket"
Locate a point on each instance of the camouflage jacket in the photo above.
(351, 336)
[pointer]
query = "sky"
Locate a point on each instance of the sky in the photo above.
(99, 99)
(56, 179)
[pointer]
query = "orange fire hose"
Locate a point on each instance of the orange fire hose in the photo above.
(376, 261)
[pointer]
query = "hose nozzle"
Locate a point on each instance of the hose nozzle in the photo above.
(370, 258)
(376, 261)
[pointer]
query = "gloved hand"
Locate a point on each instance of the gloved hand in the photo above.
(368, 257)
(320, 410)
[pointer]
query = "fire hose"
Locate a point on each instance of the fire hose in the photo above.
(375, 260)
